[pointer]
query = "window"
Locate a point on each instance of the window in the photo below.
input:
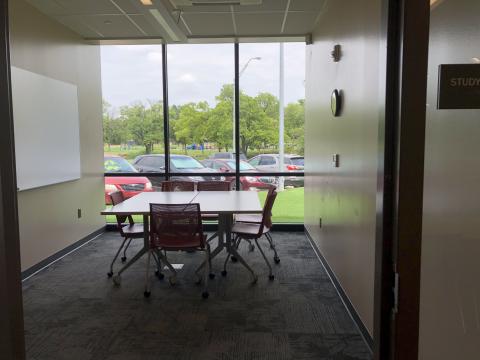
(267, 160)
(117, 164)
(185, 162)
(255, 161)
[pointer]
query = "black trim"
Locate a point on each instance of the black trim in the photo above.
(237, 115)
(166, 111)
(213, 227)
(346, 301)
(58, 255)
(162, 174)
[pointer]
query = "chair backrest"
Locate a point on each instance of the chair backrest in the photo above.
(117, 198)
(214, 186)
(267, 210)
(176, 226)
(176, 185)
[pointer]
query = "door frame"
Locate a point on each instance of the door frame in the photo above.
(400, 179)
(12, 343)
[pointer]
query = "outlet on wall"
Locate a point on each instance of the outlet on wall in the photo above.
(79, 213)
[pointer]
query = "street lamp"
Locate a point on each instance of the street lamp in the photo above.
(233, 95)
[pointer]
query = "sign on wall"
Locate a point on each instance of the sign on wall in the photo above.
(459, 86)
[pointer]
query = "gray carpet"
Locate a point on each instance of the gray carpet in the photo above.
(73, 311)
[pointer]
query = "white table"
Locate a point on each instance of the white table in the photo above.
(223, 203)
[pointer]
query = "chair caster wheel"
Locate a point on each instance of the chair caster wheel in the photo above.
(271, 277)
(276, 259)
(146, 294)
(117, 279)
(172, 280)
(251, 247)
(211, 276)
(205, 295)
(234, 259)
(160, 275)
(110, 274)
(123, 259)
(224, 273)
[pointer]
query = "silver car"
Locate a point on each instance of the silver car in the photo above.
(271, 163)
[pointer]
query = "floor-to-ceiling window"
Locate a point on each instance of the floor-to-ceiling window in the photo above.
(200, 120)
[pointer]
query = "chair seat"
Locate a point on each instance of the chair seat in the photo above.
(248, 229)
(248, 218)
(135, 230)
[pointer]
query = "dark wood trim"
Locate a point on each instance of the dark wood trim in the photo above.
(60, 254)
(12, 343)
(343, 296)
(414, 35)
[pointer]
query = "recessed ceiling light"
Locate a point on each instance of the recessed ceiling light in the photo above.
(146, 2)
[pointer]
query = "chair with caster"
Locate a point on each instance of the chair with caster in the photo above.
(176, 227)
(254, 231)
(127, 228)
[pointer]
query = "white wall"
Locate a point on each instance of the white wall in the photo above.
(450, 271)
(48, 215)
(344, 197)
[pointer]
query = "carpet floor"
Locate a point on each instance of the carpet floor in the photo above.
(73, 311)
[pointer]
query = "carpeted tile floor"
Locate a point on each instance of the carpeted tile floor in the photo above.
(73, 311)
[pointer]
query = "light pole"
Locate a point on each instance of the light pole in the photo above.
(233, 96)
(281, 125)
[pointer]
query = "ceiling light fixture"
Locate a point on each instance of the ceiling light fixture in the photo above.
(146, 2)
(161, 20)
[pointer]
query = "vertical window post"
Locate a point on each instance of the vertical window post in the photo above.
(237, 116)
(166, 112)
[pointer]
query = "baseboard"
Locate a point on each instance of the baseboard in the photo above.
(346, 301)
(213, 227)
(60, 254)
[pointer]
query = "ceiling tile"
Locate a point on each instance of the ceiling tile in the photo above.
(300, 22)
(259, 24)
(307, 5)
(209, 24)
(119, 26)
(267, 5)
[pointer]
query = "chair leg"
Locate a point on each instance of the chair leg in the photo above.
(158, 272)
(124, 257)
(212, 237)
(224, 271)
(173, 278)
(147, 280)
(110, 274)
(206, 272)
(270, 275)
(276, 258)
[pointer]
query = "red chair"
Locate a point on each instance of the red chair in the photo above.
(257, 219)
(128, 231)
(176, 227)
(254, 231)
(176, 185)
(214, 185)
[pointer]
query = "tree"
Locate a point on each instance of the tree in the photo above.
(294, 126)
(144, 124)
(192, 122)
(114, 130)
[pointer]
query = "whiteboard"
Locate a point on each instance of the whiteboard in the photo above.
(47, 143)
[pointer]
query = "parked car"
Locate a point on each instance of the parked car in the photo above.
(178, 163)
(128, 185)
(271, 163)
(227, 155)
(246, 182)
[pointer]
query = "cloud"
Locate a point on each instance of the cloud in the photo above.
(187, 78)
(155, 56)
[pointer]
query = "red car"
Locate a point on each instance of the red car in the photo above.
(246, 182)
(128, 185)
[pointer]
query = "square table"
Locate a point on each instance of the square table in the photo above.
(223, 203)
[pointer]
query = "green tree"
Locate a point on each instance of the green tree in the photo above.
(294, 126)
(145, 124)
(114, 130)
(191, 124)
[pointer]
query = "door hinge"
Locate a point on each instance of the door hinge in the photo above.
(395, 293)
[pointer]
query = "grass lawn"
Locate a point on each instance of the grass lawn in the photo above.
(288, 207)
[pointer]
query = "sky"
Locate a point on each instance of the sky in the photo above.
(132, 73)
